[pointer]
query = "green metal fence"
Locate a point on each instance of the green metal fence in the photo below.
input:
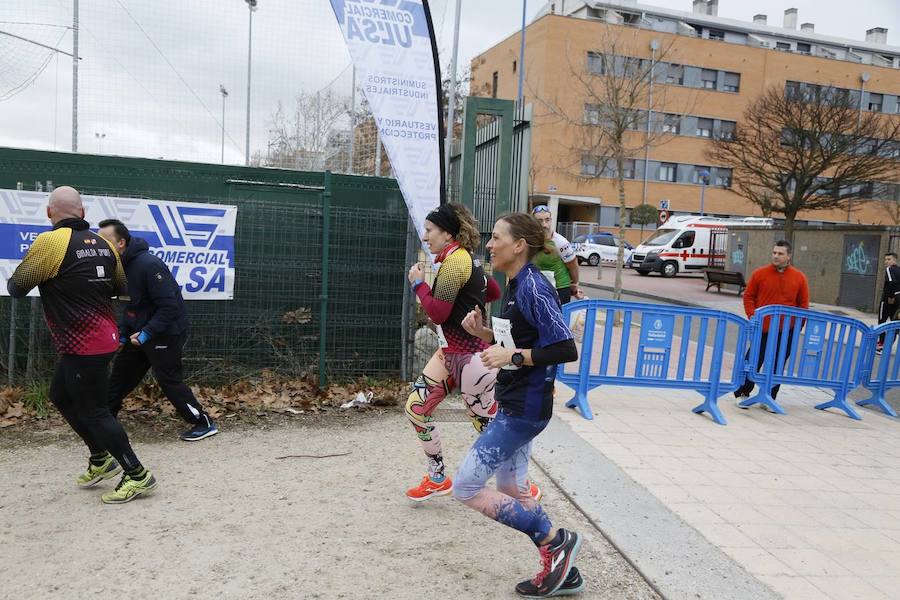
(320, 265)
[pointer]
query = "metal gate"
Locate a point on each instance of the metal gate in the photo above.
(717, 240)
(489, 167)
(859, 271)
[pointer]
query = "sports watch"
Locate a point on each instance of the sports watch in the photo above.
(518, 359)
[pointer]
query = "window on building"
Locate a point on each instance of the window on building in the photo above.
(637, 120)
(783, 46)
(723, 178)
(704, 127)
(675, 74)
(698, 173)
(628, 168)
(596, 63)
(708, 79)
(668, 172)
(591, 114)
(717, 34)
(495, 79)
(875, 102)
(631, 66)
(792, 90)
(732, 82)
(671, 124)
(590, 166)
(803, 48)
(727, 130)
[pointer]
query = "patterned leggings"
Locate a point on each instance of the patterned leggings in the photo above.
(443, 374)
(504, 450)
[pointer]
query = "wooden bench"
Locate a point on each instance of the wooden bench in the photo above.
(716, 277)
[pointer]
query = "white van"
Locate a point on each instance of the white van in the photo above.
(682, 244)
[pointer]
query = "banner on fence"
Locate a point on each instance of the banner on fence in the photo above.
(196, 241)
(392, 46)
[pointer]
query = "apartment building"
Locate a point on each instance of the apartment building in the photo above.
(712, 68)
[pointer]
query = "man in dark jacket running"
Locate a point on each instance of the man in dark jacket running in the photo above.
(887, 309)
(152, 332)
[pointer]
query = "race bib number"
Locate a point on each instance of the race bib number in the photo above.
(503, 334)
(442, 339)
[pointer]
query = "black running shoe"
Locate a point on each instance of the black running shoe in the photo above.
(556, 562)
(574, 584)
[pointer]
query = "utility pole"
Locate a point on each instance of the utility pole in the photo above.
(352, 122)
(224, 93)
(75, 76)
(451, 96)
(251, 4)
(520, 96)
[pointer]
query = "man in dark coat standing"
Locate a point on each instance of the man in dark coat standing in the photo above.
(887, 309)
(152, 332)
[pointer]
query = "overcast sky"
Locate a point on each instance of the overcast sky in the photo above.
(150, 71)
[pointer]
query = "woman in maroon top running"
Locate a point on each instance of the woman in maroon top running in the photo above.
(460, 285)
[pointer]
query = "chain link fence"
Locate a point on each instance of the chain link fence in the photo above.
(285, 265)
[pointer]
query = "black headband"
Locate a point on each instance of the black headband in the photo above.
(445, 218)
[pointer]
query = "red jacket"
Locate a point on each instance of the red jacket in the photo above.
(769, 286)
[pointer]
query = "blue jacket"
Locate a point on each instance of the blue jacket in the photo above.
(156, 305)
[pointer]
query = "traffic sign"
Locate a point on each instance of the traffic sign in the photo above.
(664, 204)
(663, 216)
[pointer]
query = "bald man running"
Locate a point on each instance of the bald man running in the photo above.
(78, 272)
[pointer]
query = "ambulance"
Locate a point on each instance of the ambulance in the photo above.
(683, 244)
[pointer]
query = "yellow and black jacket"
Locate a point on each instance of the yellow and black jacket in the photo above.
(78, 273)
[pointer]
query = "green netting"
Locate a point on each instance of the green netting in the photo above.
(274, 320)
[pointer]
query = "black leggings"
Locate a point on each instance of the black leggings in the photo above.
(79, 392)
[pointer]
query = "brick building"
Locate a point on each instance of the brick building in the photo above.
(713, 65)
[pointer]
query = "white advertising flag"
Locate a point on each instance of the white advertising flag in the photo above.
(392, 46)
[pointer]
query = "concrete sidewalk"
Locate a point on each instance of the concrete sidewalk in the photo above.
(688, 290)
(807, 503)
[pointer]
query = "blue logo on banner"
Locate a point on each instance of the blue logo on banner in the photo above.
(179, 225)
(656, 330)
(387, 22)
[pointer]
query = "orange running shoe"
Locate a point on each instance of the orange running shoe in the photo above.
(536, 492)
(428, 488)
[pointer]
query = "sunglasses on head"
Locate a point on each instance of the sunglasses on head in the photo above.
(539, 209)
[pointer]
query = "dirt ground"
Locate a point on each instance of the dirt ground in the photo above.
(231, 520)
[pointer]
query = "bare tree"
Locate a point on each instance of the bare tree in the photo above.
(809, 148)
(304, 136)
(613, 127)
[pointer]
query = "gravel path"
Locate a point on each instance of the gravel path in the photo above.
(230, 520)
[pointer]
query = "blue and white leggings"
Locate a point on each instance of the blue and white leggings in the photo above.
(504, 450)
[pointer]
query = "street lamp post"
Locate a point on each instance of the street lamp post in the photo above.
(100, 137)
(704, 181)
(251, 4)
(224, 93)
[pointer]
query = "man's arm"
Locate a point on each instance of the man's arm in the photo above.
(567, 253)
(803, 293)
(750, 295)
(164, 298)
(891, 282)
(40, 263)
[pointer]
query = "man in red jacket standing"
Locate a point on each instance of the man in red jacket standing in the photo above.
(776, 283)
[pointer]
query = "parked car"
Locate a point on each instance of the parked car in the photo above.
(601, 246)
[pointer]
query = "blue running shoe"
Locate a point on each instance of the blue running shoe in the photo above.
(204, 429)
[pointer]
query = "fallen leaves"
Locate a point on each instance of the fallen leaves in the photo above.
(249, 398)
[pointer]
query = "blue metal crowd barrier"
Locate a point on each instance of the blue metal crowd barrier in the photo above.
(813, 349)
(887, 374)
(696, 366)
